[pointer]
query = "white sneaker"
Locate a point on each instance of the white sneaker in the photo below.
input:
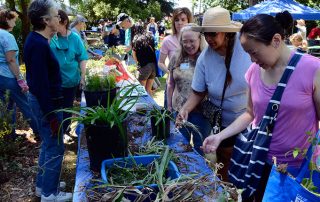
(60, 197)
(38, 191)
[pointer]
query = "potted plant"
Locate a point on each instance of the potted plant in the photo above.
(105, 128)
(160, 122)
(98, 87)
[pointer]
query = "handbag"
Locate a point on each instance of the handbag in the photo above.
(251, 147)
(212, 112)
(282, 187)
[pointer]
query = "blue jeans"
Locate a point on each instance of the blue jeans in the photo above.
(69, 95)
(19, 98)
(51, 152)
(204, 127)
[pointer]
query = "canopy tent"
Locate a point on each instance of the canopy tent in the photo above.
(298, 11)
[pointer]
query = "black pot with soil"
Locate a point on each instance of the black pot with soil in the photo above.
(160, 129)
(96, 98)
(105, 143)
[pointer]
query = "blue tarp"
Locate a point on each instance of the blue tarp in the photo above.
(298, 11)
(191, 161)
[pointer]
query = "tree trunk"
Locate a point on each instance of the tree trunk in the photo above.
(24, 19)
(23, 15)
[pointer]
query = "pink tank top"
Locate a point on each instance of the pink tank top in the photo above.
(297, 112)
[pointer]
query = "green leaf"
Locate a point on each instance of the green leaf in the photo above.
(295, 152)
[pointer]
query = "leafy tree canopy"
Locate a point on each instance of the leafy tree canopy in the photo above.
(138, 9)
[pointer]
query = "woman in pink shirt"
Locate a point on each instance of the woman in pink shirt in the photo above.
(263, 38)
(170, 44)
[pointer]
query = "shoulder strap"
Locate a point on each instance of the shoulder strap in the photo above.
(274, 103)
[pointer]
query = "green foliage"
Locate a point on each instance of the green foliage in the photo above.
(160, 115)
(96, 9)
(113, 115)
(96, 82)
(6, 126)
(231, 5)
(307, 182)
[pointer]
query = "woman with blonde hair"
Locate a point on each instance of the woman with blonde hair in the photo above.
(181, 69)
(170, 44)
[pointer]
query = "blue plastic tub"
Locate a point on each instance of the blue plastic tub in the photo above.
(173, 171)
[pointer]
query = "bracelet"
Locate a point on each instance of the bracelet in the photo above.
(20, 77)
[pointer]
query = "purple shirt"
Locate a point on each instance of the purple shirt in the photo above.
(297, 113)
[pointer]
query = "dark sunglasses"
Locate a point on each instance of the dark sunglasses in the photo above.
(209, 34)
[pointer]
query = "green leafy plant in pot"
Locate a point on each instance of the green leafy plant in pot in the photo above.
(105, 127)
(160, 123)
(98, 87)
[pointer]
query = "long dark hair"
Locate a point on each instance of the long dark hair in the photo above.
(231, 38)
(263, 27)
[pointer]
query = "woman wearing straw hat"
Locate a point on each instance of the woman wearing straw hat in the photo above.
(220, 66)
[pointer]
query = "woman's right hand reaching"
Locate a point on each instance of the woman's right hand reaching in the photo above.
(211, 143)
(181, 117)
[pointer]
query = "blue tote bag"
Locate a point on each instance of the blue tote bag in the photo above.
(282, 187)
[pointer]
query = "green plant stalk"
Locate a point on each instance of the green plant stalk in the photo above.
(112, 115)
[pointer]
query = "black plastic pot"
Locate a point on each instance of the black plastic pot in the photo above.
(95, 98)
(105, 143)
(160, 132)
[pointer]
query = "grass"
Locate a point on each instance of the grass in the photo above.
(158, 96)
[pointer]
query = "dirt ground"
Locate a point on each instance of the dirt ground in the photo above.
(17, 176)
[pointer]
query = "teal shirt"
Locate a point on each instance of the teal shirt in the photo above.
(70, 52)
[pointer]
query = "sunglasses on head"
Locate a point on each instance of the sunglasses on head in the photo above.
(209, 34)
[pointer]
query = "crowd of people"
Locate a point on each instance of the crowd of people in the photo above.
(232, 66)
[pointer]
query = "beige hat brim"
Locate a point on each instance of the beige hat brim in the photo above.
(229, 28)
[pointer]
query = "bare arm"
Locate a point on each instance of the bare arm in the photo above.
(194, 99)
(316, 93)
(170, 89)
(11, 59)
(83, 65)
(212, 142)
(162, 64)
(134, 55)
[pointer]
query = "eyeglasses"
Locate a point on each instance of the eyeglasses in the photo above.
(52, 16)
(209, 34)
(57, 16)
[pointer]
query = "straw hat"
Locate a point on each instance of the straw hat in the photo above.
(217, 19)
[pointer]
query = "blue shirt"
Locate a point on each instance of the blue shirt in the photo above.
(7, 43)
(116, 40)
(43, 71)
(70, 52)
(210, 74)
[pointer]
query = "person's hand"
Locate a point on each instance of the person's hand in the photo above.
(23, 85)
(54, 126)
(181, 118)
(97, 56)
(211, 143)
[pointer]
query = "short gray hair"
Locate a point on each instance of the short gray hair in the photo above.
(77, 20)
(37, 10)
